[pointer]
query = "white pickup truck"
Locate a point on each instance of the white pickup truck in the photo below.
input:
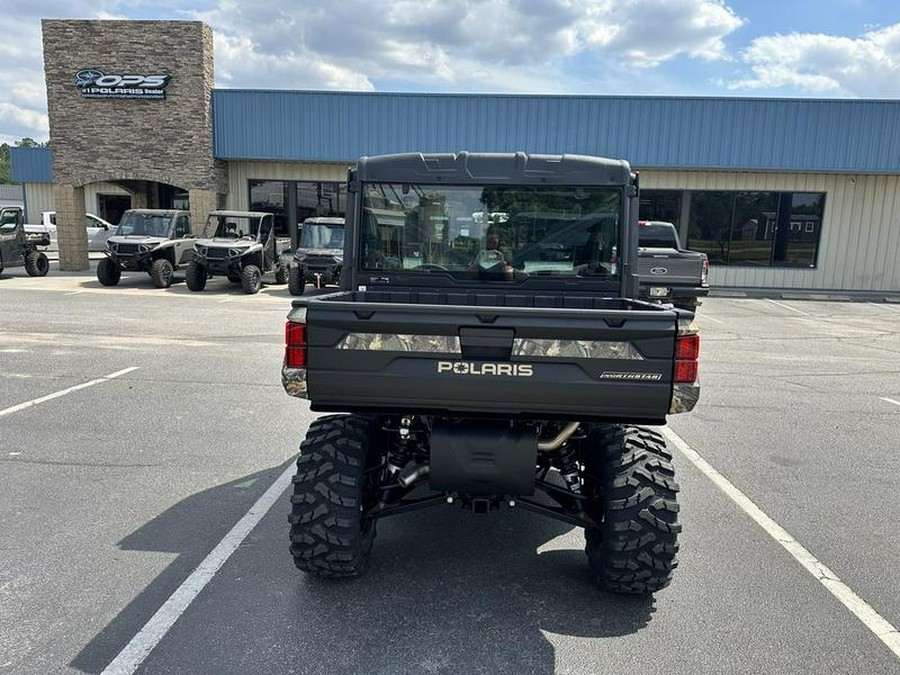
(98, 230)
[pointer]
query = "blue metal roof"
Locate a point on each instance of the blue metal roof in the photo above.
(31, 165)
(687, 133)
(673, 133)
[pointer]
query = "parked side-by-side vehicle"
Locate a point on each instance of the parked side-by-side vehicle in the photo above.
(240, 245)
(319, 256)
(155, 241)
(19, 248)
(487, 349)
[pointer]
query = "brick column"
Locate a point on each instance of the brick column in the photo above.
(202, 202)
(70, 231)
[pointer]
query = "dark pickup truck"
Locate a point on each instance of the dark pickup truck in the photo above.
(487, 352)
(668, 272)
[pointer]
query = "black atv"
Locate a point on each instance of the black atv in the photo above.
(319, 257)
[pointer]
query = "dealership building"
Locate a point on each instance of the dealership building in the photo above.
(780, 193)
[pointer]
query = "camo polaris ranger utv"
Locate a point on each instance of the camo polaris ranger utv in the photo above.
(241, 245)
(487, 352)
(155, 241)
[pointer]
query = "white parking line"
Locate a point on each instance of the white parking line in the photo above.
(781, 304)
(159, 624)
(707, 316)
(50, 397)
(871, 619)
(889, 400)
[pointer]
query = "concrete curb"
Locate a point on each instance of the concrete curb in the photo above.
(815, 295)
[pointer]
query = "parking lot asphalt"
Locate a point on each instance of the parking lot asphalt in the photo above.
(113, 493)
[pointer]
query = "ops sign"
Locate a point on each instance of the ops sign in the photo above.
(95, 83)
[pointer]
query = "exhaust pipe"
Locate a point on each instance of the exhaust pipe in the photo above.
(414, 476)
(561, 437)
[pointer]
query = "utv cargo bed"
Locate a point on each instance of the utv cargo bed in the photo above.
(476, 354)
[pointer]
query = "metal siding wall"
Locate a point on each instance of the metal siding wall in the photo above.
(38, 197)
(241, 172)
(859, 247)
(92, 190)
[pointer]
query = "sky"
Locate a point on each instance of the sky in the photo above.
(761, 48)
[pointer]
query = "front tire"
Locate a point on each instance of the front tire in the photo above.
(195, 276)
(108, 272)
(251, 279)
(36, 264)
(162, 273)
(329, 536)
(296, 281)
(632, 493)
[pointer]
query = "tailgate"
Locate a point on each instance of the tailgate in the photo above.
(668, 267)
(457, 360)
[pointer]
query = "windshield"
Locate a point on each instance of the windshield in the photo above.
(496, 233)
(8, 220)
(147, 224)
(322, 235)
(235, 227)
(659, 235)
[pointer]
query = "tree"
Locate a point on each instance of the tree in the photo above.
(4, 163)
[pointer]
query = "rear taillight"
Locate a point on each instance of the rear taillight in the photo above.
(295, 345)
(687, 356)
(704, 276)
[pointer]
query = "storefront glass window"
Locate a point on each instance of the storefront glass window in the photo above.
(802, 238)
(662, 205)
(710, 224)
(757, 229)
(313, 198)
(320, 199)
(753, 228)
(269, 196)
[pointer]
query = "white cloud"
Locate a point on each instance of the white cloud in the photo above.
(455, 44)
(868, 66)
(649, 32)
(432, 45)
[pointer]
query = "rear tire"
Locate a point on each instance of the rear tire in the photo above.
(162, 273)
(632, 493)
(36, 264)
(329, 537)
(281, 274)
(251, 279)
(108, 272)
(195, 276)
(296, 281)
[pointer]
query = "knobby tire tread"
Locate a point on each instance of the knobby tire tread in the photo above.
(635, 549)
(328, 537)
